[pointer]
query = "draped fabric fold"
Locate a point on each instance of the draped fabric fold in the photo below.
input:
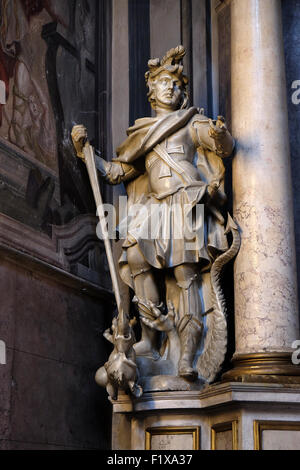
(173, 230)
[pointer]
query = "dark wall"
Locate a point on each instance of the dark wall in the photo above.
(53, 336)
(153, 28)
(56, 298)
(291, 30)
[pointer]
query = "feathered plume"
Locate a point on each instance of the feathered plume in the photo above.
(170, 62)
(173, 56)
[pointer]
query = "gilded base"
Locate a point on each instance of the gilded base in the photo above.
(268, 367)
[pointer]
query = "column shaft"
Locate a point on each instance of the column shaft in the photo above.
(266, 306)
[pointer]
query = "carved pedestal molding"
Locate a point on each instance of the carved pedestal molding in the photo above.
(266, 315)
(227, 416)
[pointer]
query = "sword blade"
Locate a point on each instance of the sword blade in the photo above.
(92, 172)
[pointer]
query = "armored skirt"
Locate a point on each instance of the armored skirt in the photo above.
(173, 230)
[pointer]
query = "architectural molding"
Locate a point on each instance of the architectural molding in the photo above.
(212, 396)
(61, 255)
(229, 416)
(231, 426)
(260, 426)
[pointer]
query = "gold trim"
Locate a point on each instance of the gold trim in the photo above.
(260, 426)
(222, 427)
(264, 367)
(194, 430)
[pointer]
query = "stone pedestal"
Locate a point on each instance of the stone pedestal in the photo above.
(231, 416)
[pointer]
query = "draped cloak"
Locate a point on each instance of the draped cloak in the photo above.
(163, 250)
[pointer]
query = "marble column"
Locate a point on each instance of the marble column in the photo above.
(266, 305)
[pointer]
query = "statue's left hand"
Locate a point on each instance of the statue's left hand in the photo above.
(218, 130)
(162, 322)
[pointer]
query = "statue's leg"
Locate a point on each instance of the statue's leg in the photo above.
(190, 326)
(146, 290)
(112, 391)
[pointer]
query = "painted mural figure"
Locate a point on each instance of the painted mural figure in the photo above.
(27, 121)
(172, 167)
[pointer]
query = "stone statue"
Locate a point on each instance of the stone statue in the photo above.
(173, 170)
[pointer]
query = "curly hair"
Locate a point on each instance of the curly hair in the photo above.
(172, 63)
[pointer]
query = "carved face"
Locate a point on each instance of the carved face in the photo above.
(167, 91)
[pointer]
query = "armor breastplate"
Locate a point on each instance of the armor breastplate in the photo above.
(163, 179)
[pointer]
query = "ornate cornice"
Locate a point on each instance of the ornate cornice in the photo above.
(58, 256)
(231, 393)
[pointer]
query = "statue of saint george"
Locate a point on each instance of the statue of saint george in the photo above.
(176, 243)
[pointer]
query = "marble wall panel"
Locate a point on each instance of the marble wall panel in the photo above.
(48, 395)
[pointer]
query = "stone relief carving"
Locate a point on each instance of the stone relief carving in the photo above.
(172, 167)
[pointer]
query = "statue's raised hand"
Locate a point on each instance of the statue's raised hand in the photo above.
(213, 188)
(218, 130)
(79, 138)
(161, 322)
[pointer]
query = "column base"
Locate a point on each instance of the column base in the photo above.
(264, 367)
